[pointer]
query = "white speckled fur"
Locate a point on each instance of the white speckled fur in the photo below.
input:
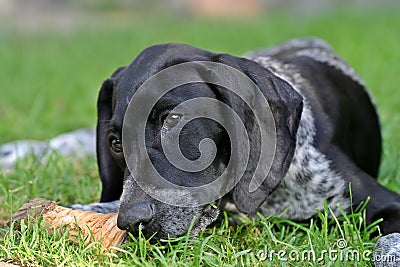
(332, 60)
(311, 179)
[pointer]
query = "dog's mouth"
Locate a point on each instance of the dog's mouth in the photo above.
(140, 214)
(175, 222)
(150, 231)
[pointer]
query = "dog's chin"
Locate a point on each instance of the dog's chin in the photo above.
(177, 226)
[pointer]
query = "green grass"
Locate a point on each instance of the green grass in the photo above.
(249, 244)
(49, 82)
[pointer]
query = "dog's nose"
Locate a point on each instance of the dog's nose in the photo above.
(135, 215)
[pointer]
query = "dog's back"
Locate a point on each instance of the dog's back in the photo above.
(343, 111)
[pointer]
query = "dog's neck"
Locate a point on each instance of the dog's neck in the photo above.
(311, 179)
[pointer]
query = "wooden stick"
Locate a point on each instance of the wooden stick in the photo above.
(92, 225)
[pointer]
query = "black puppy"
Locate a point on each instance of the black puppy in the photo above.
(328, 140)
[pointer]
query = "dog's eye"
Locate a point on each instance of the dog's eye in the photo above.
(171, 120)
(115, 144)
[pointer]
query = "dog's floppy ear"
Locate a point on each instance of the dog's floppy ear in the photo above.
(286, 106)
(111, 174)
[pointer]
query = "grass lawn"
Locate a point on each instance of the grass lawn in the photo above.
(49, 82)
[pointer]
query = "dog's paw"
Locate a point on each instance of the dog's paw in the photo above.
(106, 207)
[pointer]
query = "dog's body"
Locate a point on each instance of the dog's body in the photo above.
(328, 138)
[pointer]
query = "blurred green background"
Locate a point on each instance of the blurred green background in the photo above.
(54, 54)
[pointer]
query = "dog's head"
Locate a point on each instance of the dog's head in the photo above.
(138, 208)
